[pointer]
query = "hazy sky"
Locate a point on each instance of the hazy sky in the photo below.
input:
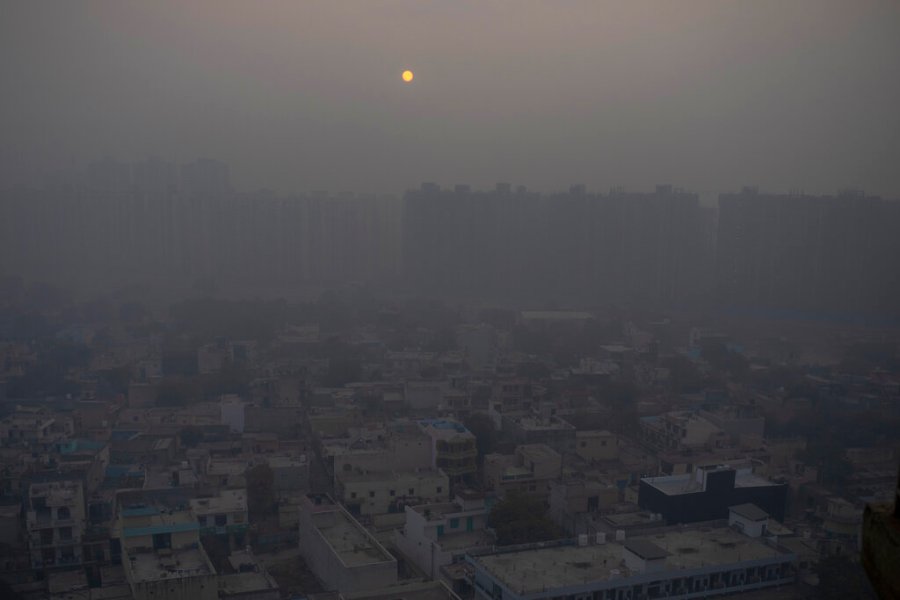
(295, 95)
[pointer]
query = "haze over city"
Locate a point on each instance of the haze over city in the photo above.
(706, 95)
(450, 300)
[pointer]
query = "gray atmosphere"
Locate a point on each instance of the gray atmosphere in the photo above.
(449, 300)
(704, 94)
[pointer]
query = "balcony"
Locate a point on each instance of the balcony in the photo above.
(35, 542)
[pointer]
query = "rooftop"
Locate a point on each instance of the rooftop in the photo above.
(414, 590)
(548, 568)
(444, 429)
(353, 545)
(645, 549)
(246, 583)
(749, 511)
(534, 423)
(438, 510)
(152, 566)
(227, 501)
(687, 483)
(146, 522)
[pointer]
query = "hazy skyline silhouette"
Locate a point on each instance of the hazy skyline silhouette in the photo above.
(706, 95)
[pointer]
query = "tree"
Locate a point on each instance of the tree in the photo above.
(260, 491)
(482, 427)
(522, 519)
(190, 436)
(841, 578)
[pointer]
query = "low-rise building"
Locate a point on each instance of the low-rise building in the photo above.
(55, 523)
(708, 492)
(379, 492)
(453, 448)
(551, 430)
(530, 470)
(225, 513)
(162, 555)
(597, 446)
(436, 535)
(678, 563)
(290, 474)
(342, 554)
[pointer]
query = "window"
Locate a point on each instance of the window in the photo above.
(65, 533)
(393, 492)
(353, 494)
(371, 493)
(412, 491)
(202, 520)
(221, 520)
(63, 513)
(603, 443)
(584, 444)
(162, 540)
(454, 523)
(440, 489)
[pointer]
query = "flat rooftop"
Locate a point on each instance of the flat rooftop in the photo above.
(151, 566)
(227, 501)
(246, 583)
(430, 590)
(530, 571)
(533, 423)
(351, 543)
(673, 485)
(437, 510)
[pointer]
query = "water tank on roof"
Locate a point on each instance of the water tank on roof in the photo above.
(583, 539)
(601, 538)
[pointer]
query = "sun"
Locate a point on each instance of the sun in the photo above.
(407, 76)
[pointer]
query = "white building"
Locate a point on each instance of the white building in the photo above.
(676, 563)
(380, 492)
(342, 554)
(436, 535)
(232, 411)
(55, 523)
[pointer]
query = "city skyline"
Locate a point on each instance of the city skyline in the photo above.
(701, 94)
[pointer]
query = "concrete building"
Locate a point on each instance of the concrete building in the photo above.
(674, 564)
(682, 430)
(597, 446)
(162, 555)
(290, 474)
(574, 503)
(398, 446)
(453, 448)
(55, 523)
(436, 535)
(380, 492)
(424, 397)
(551, 430)
(341, 552)
(223, 514)
(232, 410)
(529, 470)
(749, 519)
(708, 492)
(250, 581)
